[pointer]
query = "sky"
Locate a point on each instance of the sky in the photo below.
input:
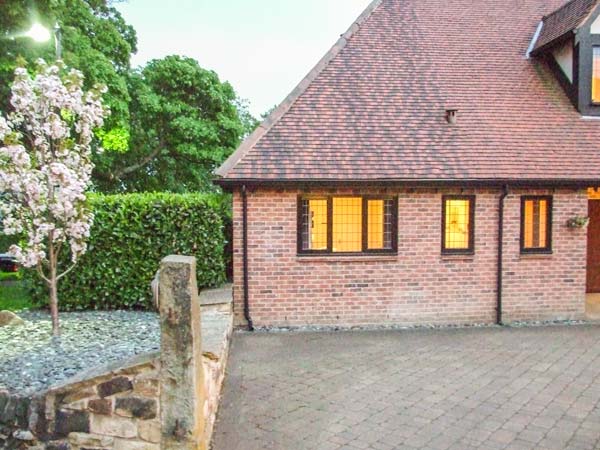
(262, 47)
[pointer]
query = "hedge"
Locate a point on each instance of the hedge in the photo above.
(130, 235)
(6, 242)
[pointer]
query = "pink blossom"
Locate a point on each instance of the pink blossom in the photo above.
(44, 191)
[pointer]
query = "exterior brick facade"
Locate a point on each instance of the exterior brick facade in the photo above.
(419, 285)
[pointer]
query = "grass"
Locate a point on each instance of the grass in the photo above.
(10, 276)
(13, 294)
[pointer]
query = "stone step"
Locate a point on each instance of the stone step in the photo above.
(592, 307)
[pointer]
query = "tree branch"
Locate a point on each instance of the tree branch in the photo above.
(144, 162)
(41, 273)
(66, 272)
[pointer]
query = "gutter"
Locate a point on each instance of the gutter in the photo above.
(245, 256)
(500, 255)
(229, 184)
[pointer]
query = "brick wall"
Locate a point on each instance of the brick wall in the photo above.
(546, 287)
(419, 285)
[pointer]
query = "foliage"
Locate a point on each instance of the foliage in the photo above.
(10, 276)
(95, 39)
(7, 241)
(46, 168)
(130, 235)
(13, 294)
(184, 123)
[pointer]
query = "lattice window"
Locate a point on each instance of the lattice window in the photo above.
(347, 224)
(351, 224)
(380, 217)
(458, 216)
(314, 224)
(536, 223)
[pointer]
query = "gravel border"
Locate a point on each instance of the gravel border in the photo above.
(416, 327)
(31, 360)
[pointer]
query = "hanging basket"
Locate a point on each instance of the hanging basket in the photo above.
(578, 222)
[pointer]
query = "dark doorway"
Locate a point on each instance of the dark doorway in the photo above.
(593, 251)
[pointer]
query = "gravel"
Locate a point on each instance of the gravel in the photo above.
(32, 360)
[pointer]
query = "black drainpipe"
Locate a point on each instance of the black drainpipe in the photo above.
(500, 258)
(245, 257)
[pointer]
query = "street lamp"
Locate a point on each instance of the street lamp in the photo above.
(40, 33)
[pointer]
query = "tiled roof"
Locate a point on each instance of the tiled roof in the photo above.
(564, 20)
(374, 108)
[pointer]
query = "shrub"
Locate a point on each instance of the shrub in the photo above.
(130, 235)
(6, 242)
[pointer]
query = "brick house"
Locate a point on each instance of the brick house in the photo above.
(437, 166)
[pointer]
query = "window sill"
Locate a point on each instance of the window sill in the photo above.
(458, 256)
(347, 258)
(540, 255)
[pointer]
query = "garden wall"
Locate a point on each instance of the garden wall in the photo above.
(158, 401)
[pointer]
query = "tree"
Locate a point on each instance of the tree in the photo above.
(184, 123)
(46, 168)
(95, 39)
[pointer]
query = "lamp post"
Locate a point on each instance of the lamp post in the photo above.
(40, 33)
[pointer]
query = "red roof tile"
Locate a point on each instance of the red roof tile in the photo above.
(564, 20)
(374, 107)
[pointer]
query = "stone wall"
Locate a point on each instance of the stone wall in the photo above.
(111, 408)
(129, 405)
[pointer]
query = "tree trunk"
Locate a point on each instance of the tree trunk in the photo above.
(54, 304)
(53, 260)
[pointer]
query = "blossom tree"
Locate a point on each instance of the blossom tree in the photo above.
(46, 168)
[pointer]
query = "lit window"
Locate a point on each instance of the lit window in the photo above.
(457, 224)
(347, 225)
(596, 76)
(536, 224)
(314, 218)
(379, 220)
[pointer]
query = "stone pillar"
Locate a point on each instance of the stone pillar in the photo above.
(181, 373)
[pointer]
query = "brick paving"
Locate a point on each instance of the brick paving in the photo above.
(491, 388)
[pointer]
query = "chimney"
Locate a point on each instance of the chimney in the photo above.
(451, 116)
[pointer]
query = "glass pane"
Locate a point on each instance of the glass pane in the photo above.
(535, 233)
(528, 232)
(596, 76)
(347, 224)
(457, 224)
(388, 219)
(375, 220)
(318, 224)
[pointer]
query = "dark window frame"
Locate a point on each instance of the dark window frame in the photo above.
(459, 251)
(547, 249)
(364, 229)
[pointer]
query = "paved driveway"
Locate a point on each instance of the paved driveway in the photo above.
(490, 388)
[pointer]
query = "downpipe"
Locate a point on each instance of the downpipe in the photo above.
(500, 255)
(245, 257)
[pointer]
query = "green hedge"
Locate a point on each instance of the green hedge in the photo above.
(130, 235)
(6, 242)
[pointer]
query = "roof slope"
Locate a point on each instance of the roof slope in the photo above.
(374, 108)
(564, 20)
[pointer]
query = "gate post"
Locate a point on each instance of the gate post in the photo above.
(181, 373)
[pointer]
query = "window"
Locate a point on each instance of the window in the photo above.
(596, 76)
(458, 217)
(348, 224)
(536, 224)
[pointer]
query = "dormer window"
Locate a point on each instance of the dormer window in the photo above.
(568, 40)
(596, 76)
